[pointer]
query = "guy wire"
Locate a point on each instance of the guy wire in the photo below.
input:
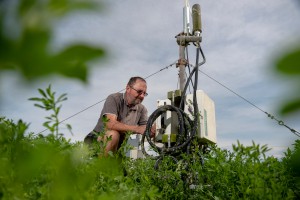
(280, 122)
(105, 98)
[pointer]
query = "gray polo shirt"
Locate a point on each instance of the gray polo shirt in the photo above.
(117, 105)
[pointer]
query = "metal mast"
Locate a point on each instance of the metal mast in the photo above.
(187, 36)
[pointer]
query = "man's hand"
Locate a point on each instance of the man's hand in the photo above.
(153, 131)
(140, 129)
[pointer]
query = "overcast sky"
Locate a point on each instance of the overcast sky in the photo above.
(240, 40)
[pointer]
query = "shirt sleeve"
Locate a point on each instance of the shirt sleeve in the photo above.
(110, 106)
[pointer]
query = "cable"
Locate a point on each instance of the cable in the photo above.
(187, 128)
(164, 68)
(161, 70)
(280, 122)
(77, 113)
(188, 61)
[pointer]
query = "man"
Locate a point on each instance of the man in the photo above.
(124, 113)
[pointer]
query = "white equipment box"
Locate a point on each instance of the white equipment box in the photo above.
(167, 123)
(207, 119)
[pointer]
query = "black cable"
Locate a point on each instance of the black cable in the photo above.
(196, 68)
(183, 137)
(188, 64)
(187, 128)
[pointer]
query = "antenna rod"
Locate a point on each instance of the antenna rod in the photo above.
(184, 38)
(186, 31)
(186, 18)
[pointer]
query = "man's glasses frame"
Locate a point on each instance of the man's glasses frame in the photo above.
(140, 92)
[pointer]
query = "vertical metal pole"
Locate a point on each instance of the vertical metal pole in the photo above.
(181, 66)
(186, 32)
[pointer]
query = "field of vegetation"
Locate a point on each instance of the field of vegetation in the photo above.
(40, 166)
(49, 166)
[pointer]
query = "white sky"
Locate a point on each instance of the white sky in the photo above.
(240, 40)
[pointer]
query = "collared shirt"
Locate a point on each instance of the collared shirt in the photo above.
(116, 104)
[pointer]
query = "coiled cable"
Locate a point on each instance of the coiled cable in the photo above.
(187, 127)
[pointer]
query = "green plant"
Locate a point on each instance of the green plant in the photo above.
(288, 65)
(244, 173)
(27, 40)
(49, 102)
(292, 163)
(36, 166)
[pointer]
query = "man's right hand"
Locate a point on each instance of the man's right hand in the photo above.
(140, 129)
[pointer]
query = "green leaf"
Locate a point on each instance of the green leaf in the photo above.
(290, 107)
(80, 52)
(290, 63)
(74, 60)
(71, 62)
(61, 7)
(48, 90)
(50, 118)
(62, 98)
(35, 99)
(40, 106)
(25, 6)
(57, 110)
(30, 53)
(42, 92)
(69, 127)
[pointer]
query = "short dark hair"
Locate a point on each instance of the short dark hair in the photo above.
(132, 80)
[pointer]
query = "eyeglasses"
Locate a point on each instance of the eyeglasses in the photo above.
(140, 92)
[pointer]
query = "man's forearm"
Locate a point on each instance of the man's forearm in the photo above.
(121, 127)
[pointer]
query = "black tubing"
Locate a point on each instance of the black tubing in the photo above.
(187, 128)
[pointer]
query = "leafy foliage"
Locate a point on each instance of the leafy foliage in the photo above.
(51, 167)
(25, 39)
(49, 102)
(46, 167)
(245, 173)
(289, 65)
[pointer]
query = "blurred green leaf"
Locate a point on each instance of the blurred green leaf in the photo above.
(69, 127)
(43, 12)
(290, 107)
(42, 92)
(61, 98)
(32, 58)
(290, 63)
(75, 58)
(26, 5)
(28, 51)
(64, 6)
(35, 99)
(38, 105)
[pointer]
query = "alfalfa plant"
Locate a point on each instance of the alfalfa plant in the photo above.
(48, 101)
